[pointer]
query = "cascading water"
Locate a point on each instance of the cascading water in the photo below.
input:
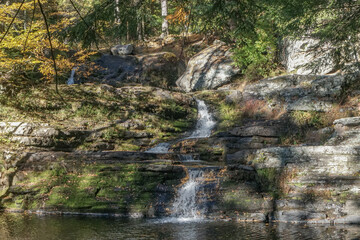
(186, 204)
(204, 126)
(205, 123)
(186, 207)
(203, 129)
(71, 81)
(187, 158)
(160, 148)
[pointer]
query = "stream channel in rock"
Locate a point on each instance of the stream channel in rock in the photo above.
(191, 199)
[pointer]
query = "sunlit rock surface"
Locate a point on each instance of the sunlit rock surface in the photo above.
(209, 69)
(307, 56)
(302, 93)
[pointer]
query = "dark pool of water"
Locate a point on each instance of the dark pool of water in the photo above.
(19, 226)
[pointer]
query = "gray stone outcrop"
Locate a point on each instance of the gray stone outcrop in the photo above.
(156, 69)
(347, 132)
(306, 56)
(209, 69)
(29, 134)
(297, 92)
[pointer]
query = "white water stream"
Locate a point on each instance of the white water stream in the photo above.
(205, 123)
(204, 126)
(71, 81)
(185, 207)
(160, 148)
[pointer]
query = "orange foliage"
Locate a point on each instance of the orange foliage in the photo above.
(180, 16)
(34, 62)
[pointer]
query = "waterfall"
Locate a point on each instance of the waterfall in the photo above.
(205, 122)
(71, 81)
(185, 206)
(204, 126)
(190, 201)
(187, 158)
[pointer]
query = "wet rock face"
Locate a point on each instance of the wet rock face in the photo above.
(115, 183)
(157, 69)
(208, 69)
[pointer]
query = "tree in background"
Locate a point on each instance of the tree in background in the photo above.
(254, 28)
(335, 23)
(164, 14)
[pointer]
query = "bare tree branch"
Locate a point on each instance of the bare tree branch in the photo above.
(51, 50)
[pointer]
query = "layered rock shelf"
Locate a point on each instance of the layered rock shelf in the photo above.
(282, 149)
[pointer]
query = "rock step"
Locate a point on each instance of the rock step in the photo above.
(347, 132)
(300, 93)
(33, 160)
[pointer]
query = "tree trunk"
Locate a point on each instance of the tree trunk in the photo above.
(143, 25)
(164, 13)
(117, 12)
(139, 28)
(127, 32)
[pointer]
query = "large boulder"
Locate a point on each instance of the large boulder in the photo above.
(301, 93)
(122, 49)
(208, 69)
(305, 56)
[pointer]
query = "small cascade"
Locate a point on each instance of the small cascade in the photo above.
(205, 122)
(186, 157)
(71, 81)
(186, 205)
(160, 148)
(204, 126)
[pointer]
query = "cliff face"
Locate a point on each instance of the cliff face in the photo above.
(284, 149)
(289, 155)
(117, 183)
(77, 157)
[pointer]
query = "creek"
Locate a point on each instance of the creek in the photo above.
(34, 227)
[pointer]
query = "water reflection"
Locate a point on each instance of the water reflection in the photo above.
(18, 226)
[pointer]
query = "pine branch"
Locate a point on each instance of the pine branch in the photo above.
(82, 19)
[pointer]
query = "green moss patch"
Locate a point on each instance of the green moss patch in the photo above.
(106, 188)
(115, 114)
